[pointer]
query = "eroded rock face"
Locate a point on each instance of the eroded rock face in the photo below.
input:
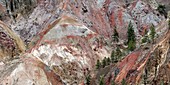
(10, 43)
(28, 71)
(99, 16)
(8, 46)
(64, 39)
(70, 49)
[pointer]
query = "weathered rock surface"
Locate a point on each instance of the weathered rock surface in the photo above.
(60, 40)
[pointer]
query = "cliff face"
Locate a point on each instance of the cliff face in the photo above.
(59, 41)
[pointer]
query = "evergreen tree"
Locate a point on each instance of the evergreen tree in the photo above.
(104, 63)
(118, 53)
(108, 61)
(98, 65)
(152, 33)
(131, 33)
(113, 83)
(169, 24)
(123, 82)
(145, 38)
(161, 9)
(116, 72)
(162, 82)
(88, 79)
(113, 56)
(131, 37)
(11, 6)
(131, 45)
(101, 82)
(115, 35)
(145, 76)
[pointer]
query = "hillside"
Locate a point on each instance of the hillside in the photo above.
(84, 42)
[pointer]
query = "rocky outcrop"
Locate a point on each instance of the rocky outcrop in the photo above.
(60, 41)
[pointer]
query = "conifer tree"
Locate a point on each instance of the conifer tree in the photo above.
(131, 45)
(108, 61)
(131, 33)
(104, 62)
(113, 82)
(145, 38)
(101, 82)
(162, 10)
(145, 76)
(169, 24)
(113, 56)
(116, 72)
(98, 65)
(152, 33)
(115, 35)
(123, 82)
(118, 53)
(88, 79)
(131, 37)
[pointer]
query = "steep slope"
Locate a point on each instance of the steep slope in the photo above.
(59, 42)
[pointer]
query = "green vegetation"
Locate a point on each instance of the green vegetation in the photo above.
(169, 24)
(104, 63)
(113, 83)
(162, 83)
(123, 82)
(131, 45)
(145, 38)
(98, 65)
(131, 37)
(88, 79)
(113, 58)
(118, 53)
(145, 76)
(152, 33)
(1, 16)
(115, 35)
(101, 81)
(162, 10)
(24, 7)
(108, 61)
(116, 72)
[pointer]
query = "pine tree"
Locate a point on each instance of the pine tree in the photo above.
(123, 82)
(101, 82)
(131, 33)
(115, 35)
(131, 37)
(169, 24)
(162, 82)
(113, 82)
(152, 33)
(108, 61)
(131, 45)
(11, 6)
(116, 72)
(88, 79)
(104, 63)
(162, 10)
(98, 65)
(145, 38)
(113, 56)
(145, 76)
(118, 53)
